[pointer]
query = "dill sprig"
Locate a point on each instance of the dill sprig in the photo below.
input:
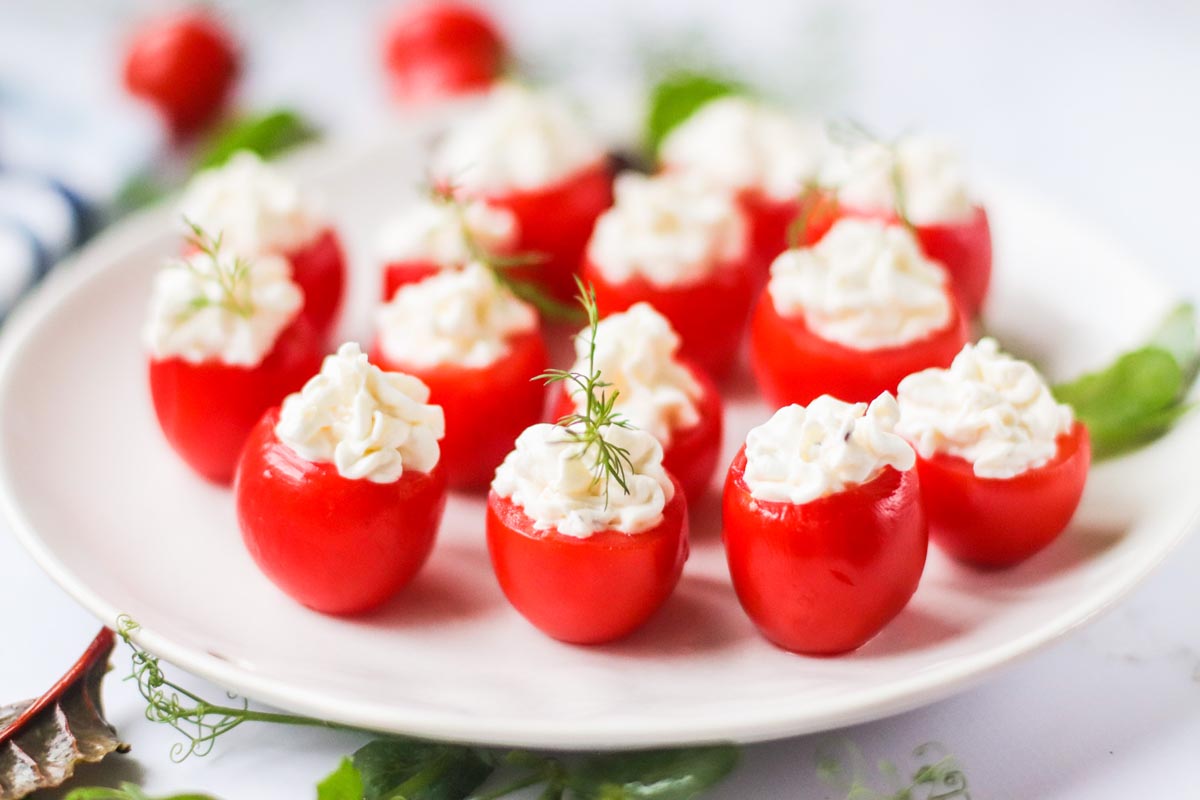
(611, 460)
(851, 132)
(501, 266)
(234, 281)
(200, 722)
(809, 198)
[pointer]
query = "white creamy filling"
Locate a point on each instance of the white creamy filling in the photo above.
(224, 308)
(552, 480)
(252, 207)
(930, 173)
(636, 353)
(741, 143)
(436, 231)
(370, 424)
(988, 408)
(518, 139)
(464, 317)
(801, 454)
(865, 285)
(674, 229)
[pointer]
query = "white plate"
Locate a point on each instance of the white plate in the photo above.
(93, 492)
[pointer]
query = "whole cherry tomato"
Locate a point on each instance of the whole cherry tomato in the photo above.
(336, 545)
(963, 247)
(691, 456)
(486, 407)
(434, 50)
(825, 576)
(999, 522)
(586, 590)
(207, 409)
(555, 223)
(794, 365)
(185, 65)
(709, 316)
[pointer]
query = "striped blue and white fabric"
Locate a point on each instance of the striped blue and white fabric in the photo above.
(61, 169)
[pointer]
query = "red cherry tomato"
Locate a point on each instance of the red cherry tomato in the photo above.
(320, 269)
(207, 410)
(709, 316)
(336, 545)
(586, 591)
(824, 577)
(771, 223)
(185, 65)
(794, 365)
(964, 248)
(441, 49)
(999, 522)
(486, 408)
(555, 223)
(402, 273)
(691, 457)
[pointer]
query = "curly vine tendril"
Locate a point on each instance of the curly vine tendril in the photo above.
(197, 720)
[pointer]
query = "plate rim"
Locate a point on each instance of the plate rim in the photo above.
(926, 686)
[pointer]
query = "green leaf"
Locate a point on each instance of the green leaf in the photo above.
(675, 774)
(267, 134)
(411, 769)
(1132, 401)
(1177, 335)
(679, 95)
(344, 783)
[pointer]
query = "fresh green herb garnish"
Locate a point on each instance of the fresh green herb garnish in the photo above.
(200, 722)
(938, 776)
(679, 95)
(267, 135)
(233, 279)
(808, 200)
(403, 768)
(851, 133)
(501, 266)
(611, 461)
(1138, 397)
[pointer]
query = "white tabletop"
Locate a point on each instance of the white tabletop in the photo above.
(1091, 102)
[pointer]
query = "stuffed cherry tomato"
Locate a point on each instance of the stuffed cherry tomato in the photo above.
(1002, 464)
(226, 341)
(478, 349)
(823, 526)
(950, 226)
(255, 211)
(764, 156)
(581, 559)
(679, 244)
(340, 493)
(527, 153)
(437, 232)
(852, 316)
(185, 65)
(637, 352)
(435, 50)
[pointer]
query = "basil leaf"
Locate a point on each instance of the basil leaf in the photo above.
(344, 783)
(410, 769)
(1177, 335)
(267, 135)
(675, 774)
(679, 95)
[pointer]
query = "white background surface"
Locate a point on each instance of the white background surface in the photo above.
(1091, 102)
